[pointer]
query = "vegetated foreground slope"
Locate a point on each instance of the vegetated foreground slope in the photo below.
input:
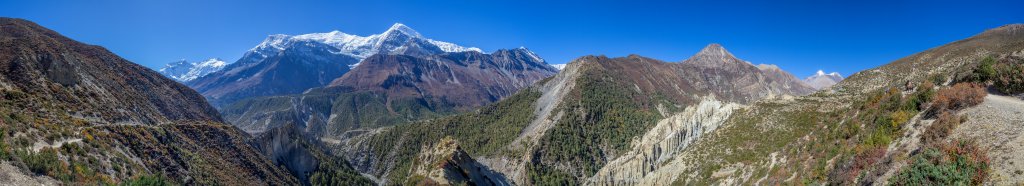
(566, 128)
(79, 114)
(887, 125)
(390, 89)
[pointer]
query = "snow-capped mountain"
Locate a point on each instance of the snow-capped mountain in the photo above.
(399, 39)
(184, 71)
(558, 66)
(290, 64)
(822, 80)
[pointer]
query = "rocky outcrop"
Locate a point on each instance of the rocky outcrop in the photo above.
(445, 163)
(659, 145)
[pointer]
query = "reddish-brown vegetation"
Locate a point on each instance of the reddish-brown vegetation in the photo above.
(956, 97)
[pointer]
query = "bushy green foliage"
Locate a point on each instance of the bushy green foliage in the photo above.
(335, 171)
(547, 176)
(601, 116)
(44, 162)
(960, 163)
(147, 180)
(986, 69)
(1009, 79)
(1005, 74)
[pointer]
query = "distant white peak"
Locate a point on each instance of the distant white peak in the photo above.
(530, 54)
(213, 62)
(558, 66)
(399, 27)
(822, 73)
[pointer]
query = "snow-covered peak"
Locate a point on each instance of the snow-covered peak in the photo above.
(822, 80)
(184, 71)
(558, 66)
(399, 27)
(530, 54)
(393, 39)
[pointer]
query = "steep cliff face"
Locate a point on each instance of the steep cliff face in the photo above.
(85, 116)
(306, 157)
(445, 163)
(659, 145)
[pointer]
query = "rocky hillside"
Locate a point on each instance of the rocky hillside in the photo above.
(445, 163)
(901, 123)
(584, 121)
(78, 114)
(389, 89)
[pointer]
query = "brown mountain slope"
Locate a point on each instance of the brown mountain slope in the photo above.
(39, 61)
(82, 115)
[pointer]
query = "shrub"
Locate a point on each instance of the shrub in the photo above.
(956, 163)
(985, 70)
(941, 127)
(1009, 79)
(956, 97)
(147, 180)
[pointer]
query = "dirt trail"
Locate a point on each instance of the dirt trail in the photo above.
(998, 125)
(56, 145)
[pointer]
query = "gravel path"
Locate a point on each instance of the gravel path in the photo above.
(998, 125)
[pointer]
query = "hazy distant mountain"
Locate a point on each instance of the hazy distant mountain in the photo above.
(284, 64)
(821, 80)
(184, 71)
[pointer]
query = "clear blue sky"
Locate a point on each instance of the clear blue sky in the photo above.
(799, 36)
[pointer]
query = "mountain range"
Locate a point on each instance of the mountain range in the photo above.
(284, 64)
(399, 109)
(391, 89)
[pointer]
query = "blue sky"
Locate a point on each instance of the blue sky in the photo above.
(799, 36)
